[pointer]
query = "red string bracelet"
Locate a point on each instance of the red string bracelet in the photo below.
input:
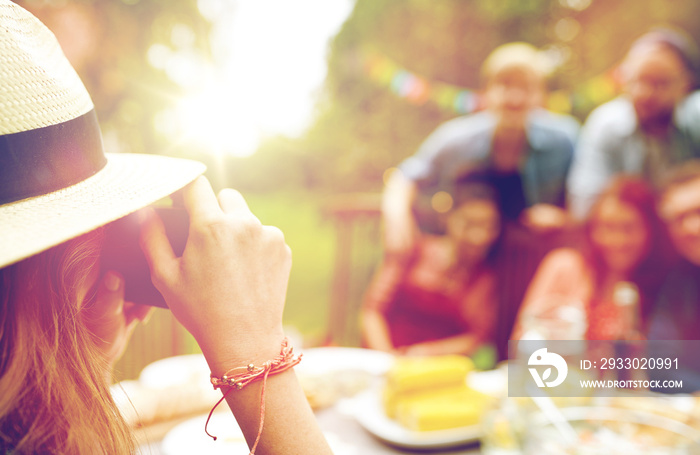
(284, 361)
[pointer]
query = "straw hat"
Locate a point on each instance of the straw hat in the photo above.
(56, 182)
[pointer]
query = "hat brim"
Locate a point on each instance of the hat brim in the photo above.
(126, 184)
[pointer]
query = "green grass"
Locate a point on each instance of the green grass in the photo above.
(312, 240)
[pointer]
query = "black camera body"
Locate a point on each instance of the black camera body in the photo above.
(122, 252)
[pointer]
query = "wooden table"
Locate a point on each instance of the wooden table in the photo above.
(337, 421)
(347, 437)
(344, 434)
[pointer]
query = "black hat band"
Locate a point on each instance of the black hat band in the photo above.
(47, 159)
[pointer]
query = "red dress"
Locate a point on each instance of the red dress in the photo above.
(428, 298)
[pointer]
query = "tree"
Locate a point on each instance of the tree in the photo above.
(111, 44)
(364, 127)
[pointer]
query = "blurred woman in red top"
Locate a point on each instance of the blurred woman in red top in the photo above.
(442, 300)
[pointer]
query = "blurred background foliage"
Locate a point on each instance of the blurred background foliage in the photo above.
(108, 42)
(133, 56)
(361, 127)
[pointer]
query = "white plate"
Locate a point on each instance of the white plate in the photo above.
(189, 437)
(369, 412)
(174, 371)
(317, 361)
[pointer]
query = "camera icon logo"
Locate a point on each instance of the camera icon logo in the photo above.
(543, 358)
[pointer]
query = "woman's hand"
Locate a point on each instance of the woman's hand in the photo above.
(401, 233)
(545, 218)
(229, 287)
(110, 319)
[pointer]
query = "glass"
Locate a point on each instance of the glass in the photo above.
(554, 318)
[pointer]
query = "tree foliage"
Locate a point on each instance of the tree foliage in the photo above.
(362, 128)
(108, 42)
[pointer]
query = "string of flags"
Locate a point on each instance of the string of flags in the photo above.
(419, 90)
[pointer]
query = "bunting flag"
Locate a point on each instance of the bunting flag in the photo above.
(419, 90)
(416, 89)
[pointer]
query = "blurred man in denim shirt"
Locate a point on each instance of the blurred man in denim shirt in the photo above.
(522, 150)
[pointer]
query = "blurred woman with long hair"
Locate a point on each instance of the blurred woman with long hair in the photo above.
(615, 275)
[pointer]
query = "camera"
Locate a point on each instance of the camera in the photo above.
(122, 252)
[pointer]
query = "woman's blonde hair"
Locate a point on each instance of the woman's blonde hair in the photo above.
(55, 397)
(519, 55)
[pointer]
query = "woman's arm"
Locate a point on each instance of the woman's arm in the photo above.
(562, 274)
(379, 296)
(375, 331)
(228, 289)
(401, 229)
(289, 427)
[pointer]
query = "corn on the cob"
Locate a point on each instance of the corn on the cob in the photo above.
(431, 393)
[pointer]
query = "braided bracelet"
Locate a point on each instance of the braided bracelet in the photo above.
(250, 373)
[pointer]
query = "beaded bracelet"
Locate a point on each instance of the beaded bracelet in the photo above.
(250, 373)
